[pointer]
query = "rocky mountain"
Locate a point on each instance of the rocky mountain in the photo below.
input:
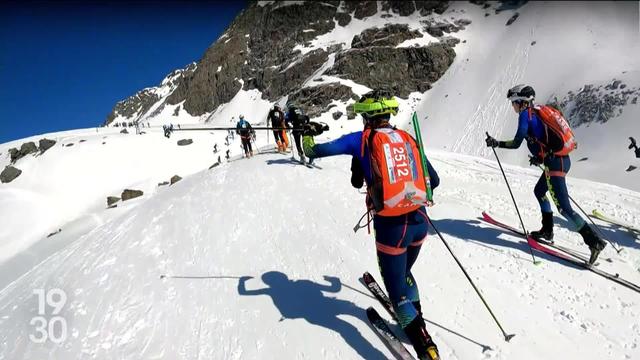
(298, 52)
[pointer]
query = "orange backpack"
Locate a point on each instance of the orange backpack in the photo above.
(558, 135)
(398, 181)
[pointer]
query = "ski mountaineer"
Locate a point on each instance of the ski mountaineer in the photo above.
(540, 140)
(244, 129)
(399, 214)
(276, 118)
(297, 119)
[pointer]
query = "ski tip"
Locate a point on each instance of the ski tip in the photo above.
(509, 337)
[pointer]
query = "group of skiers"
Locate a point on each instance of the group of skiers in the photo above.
(387, 160)
(399, 179)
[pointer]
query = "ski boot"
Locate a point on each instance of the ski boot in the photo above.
(421, 340)
(302, 159)
(545, 235)
(596, 245)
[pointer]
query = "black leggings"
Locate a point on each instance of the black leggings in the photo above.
(277, 134)
(296, 138)
(246, 145)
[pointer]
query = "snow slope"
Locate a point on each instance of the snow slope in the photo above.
(286, 231)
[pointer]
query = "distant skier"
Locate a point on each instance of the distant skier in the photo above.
(244, 129)
(227, 155)
(398, 207)
(215, 148)
(167, 131)
(296, 119)
(550, 145)
(634, 146)
(276, 118)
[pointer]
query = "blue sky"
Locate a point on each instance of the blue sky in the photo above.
(64, 65)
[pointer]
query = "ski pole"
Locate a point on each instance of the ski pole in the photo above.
(594, 224)
(590, 219)
(506, 336)
(535, 262)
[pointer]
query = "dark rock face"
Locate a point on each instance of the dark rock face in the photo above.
(258, 55)
(129, 194)
(28, 148)
(9, 174)
(376, 67)
(259, 51)
(112, 200)
(337, 115)
(403, 8)
(390, 35)
(315, 100)
(45, 144)
(185, 142)
(433, 6)
(174, 179)
(362, 9)
(343, 19)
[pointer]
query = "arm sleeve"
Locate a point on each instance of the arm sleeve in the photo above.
(346, 145)
(523, 127)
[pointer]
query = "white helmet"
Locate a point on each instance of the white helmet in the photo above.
(241, 116)
(521, 92)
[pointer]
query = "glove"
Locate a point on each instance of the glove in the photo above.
(491, 142)
(307, 146)
(535, 160)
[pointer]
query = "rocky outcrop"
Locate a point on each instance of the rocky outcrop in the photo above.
(129, 194)
(112, 200)
(417, 67)
(133, 106)
(361, 9)
(316, 99)
(390, 35)
(185, 142)
(25, 149)
(595, 103)
(137, 105)
(9, 174)
(45, 144)
(174, 179)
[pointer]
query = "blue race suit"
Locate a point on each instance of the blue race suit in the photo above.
(530, 127)
(398, 238)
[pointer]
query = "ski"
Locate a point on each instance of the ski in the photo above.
(370, 282)
(598, 215)
(553, 251)
(487, 218)
(387, 336)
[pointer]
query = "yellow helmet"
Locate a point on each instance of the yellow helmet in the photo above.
(375, 103)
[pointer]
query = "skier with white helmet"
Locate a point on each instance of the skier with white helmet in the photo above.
(550, 143)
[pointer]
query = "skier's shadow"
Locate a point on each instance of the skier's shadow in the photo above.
(304, 299)
(617, 234)
(480, 232)
(283, 161)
